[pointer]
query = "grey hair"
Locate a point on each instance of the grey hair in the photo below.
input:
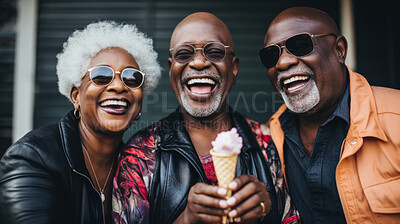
(82, 45)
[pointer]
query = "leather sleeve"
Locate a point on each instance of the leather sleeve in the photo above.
(28, 193)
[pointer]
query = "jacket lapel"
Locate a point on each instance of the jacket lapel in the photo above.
(364, 121)
(278, 136)
(71, 143)
(174, 137)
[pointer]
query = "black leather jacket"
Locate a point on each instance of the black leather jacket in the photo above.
(178, 167)
(43, 179)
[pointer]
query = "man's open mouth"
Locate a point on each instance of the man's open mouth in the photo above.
(200, 85)
(294, 83)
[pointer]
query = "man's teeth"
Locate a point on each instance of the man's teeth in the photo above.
(113, 103)
(296, 87)
(294, 79)
(201, 81)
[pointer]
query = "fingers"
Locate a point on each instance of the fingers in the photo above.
(246, 186)
(206, 204)
(245, 202)
(208, 195)
(242, 180)
(249, 210)
(202, 188)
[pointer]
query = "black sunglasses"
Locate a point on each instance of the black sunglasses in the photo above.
(297, 45)
(104, 75)
(212, 51)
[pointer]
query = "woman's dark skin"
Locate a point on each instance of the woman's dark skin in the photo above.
(100, 131)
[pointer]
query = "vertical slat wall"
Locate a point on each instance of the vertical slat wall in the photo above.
(377, 27)
(7, 51)
(252, 95)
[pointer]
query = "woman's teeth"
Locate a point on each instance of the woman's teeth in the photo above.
(107, 103)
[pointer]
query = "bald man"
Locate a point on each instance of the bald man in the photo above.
(338, 138)
(166, 173)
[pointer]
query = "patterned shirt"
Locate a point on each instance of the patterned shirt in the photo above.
(132, 183)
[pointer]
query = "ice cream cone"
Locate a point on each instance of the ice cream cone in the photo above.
(225, 167)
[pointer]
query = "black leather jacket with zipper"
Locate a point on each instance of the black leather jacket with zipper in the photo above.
(178, 168)
(43, 178)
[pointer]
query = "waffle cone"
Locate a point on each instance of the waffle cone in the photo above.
(225, 167)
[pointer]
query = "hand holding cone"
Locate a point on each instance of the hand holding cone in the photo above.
(227, 146)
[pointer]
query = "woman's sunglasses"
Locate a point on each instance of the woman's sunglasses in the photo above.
(104, 75)
(184, 53)
(298, 45)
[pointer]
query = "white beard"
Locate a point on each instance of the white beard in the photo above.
(202, 112)
(302, 102)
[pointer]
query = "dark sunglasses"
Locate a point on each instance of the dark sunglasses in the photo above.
(298, 45)
(212, 51)
(104, 75)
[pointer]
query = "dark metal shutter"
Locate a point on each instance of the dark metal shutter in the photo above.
(377, 42)
(247, 20)
(7, 51)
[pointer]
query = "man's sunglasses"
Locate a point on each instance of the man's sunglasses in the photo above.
(104, 75)
(298, 45)
(184, 53)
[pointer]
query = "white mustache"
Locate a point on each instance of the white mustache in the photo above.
(207, 72)
(293, 71)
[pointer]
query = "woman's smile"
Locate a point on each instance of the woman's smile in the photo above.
(115, 106)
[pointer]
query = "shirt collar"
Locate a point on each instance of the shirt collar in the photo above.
(342, 110)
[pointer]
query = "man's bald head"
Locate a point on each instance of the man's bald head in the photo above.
(211, 74)
(312, 18)
(202, 19)
(320, 67)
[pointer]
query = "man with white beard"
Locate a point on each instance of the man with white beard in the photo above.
(166, 173)
(338, 138)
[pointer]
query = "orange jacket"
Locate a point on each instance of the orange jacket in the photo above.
(368, 172)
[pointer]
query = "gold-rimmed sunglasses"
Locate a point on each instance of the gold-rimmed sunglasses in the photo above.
(104, 75)
(298, 45)
(212, 51)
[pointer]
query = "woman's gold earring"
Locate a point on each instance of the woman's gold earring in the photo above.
(77, 113)
(138, 116)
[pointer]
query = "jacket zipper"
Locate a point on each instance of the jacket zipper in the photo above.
(102, 207)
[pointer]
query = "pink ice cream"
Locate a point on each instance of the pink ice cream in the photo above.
(228, 143)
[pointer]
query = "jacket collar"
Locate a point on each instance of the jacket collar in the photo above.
(71, 143)
(277, 135)
(174, 136)
(364, 120)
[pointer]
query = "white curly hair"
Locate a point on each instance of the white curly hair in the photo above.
(82, 45)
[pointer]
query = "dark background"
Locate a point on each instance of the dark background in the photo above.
(376, 30)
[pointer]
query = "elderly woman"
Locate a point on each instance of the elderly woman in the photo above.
(63, 173)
